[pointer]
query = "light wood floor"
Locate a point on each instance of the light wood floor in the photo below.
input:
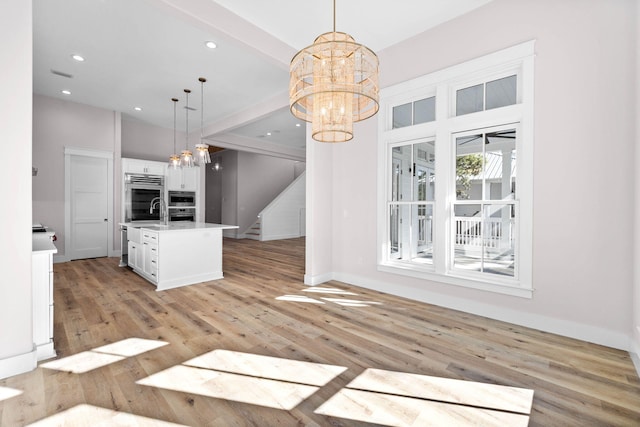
(97, 303)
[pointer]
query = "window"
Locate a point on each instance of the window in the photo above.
(413, 113)
(456, 196)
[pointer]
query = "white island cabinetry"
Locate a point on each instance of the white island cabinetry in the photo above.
(170, 256)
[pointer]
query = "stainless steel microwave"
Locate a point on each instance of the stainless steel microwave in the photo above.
(182, 198)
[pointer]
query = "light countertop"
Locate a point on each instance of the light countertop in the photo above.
(180, 226)
(42, 243)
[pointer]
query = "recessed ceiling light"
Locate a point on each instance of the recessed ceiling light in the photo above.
(268, 133)
(297, 125)
(66, 92)
(137, 108)
(210, 44)
(78, 58)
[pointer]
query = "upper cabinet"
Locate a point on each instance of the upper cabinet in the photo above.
(143, 166)
(183, 179)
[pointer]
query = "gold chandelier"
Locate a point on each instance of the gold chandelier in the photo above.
(334, 83)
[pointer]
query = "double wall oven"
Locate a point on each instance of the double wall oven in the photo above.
(182, 206)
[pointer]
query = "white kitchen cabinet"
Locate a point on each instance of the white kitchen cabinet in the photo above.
(150, 248)
(134, 246)
(143, 166)
(135, 254)
(42, 283)
(183, 179)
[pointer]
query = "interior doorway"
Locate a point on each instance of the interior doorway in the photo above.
(88, 203)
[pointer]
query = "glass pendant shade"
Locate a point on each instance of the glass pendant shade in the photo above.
(186, 159)
(203, 156)
(202, 149)
(334, 83)
(174, 159)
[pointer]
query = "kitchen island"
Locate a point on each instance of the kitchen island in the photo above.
(177, 254)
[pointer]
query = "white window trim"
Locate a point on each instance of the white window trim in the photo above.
(444, 83)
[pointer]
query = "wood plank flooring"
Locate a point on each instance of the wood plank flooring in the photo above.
(97, 303)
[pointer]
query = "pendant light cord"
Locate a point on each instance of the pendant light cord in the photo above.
(175, 101)
(334, 16)
(202, 81)
(186, 145)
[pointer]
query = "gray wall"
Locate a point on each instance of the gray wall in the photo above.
(147, 142)
(585, 115)
(246, 183)
(58, 124)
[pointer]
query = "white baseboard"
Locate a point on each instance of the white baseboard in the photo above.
(316, 280)
(562, 327)
(18, 364)
(280, 236)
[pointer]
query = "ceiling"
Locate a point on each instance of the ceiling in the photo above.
(142, 53)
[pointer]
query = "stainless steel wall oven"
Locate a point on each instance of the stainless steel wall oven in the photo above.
(143, 197)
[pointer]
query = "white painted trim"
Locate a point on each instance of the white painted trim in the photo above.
(562, 327)
(311, 280)
(19, 364)
(72, 151)
(467, 282)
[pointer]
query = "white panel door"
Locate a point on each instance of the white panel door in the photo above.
(89, 207)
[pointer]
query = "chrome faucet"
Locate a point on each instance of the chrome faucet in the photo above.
(159, 202)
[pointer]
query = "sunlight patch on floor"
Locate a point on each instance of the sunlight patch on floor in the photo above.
(298, 298)
(130, 347)
(8, 393)
(249, 378)
(223, 385)
(328, 290)
(83, 362)
(400, 411)
(331, 291)
(404, 399)
(102, 356)
(275, 368)
(94, 416)
(352, 302)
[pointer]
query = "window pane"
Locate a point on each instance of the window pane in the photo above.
(467, 224)
(469, 164)
(501, 92)
(422, 238)
(394, 232)
(469, 100)
(500, 165)
(402, 115)
(424, 110)
(401, 173)
(424, 171)
(498, 238)
(484, 240)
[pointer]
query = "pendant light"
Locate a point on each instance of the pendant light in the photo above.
(334, 83)
(186, 158)
(174, 160)
(202, 149)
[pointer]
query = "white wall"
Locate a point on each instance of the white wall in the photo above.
(260, 180)
(16, 335)
(147, 142)
(246, 183)
(58, 124)
(636, 296)
(584, 114)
